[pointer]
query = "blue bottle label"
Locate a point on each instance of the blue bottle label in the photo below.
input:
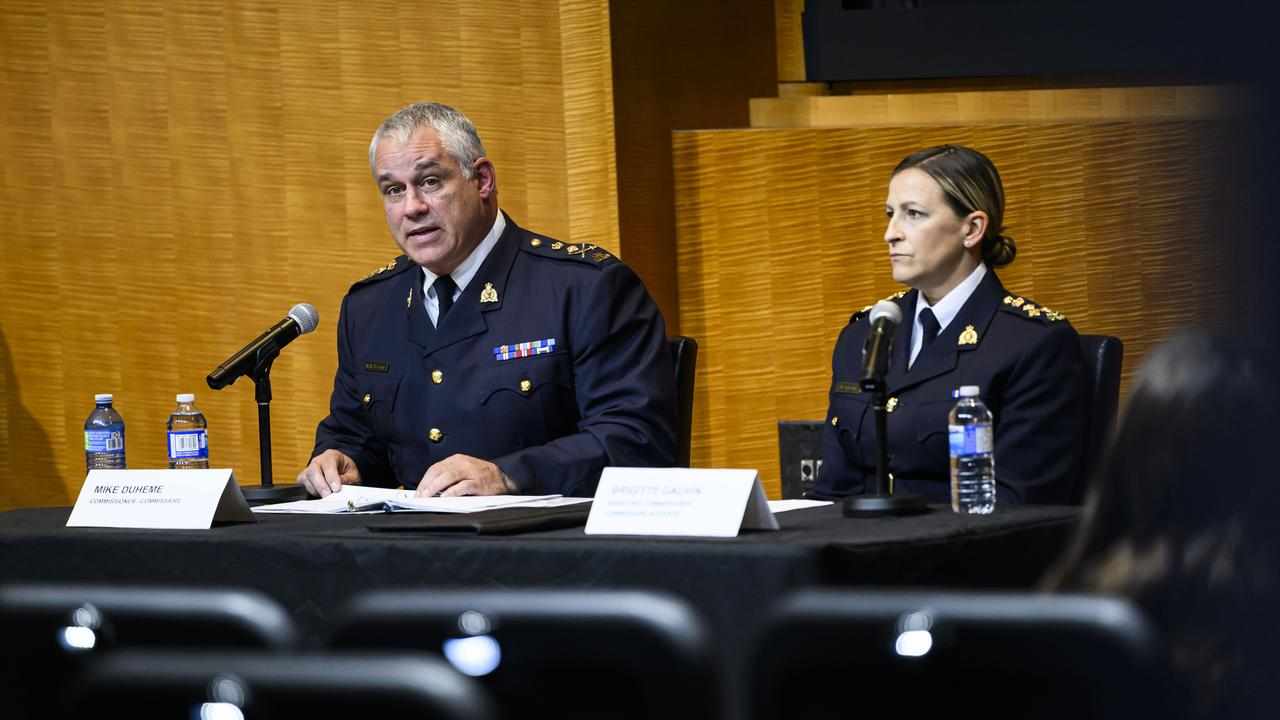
(188, 444)
(969, 439)
(103, 440)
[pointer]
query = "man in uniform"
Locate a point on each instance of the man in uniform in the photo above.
(487, 359)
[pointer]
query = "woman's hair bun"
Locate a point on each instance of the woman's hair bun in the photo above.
(999, 251)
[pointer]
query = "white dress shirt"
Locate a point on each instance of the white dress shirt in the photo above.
(946, 309)
(465, 271)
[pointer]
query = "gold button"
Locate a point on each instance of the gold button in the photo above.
(435, 435)
(367, 398)
(536, 242)
(526, 385)
(437, 377)
(557, 245)
(572, 249)
(834, 420)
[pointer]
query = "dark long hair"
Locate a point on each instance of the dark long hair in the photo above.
(1180, 517)
(970, 182)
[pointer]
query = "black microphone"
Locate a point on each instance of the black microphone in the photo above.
(885, 318)
(302, 319)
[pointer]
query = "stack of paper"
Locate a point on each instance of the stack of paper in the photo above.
(355, 498)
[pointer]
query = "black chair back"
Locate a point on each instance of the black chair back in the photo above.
(826, 653)
(141, 616)
(52, 632)
(274, 686)
(1103, 358)
(684, 355)
(552, 653)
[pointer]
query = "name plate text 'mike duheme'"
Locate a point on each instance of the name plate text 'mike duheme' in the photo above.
(166, 499)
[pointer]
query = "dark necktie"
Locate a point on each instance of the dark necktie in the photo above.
(444, 287)
(929, 324)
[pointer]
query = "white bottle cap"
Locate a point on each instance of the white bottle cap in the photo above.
(186, 397)
(969, 391)
(102, 397)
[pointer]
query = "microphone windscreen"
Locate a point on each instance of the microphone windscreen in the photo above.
(306, 316)
(888, 310)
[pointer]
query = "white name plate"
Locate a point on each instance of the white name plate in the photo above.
(169, 499)
(679, 501)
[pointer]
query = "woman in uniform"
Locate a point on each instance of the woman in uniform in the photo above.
(945, 209)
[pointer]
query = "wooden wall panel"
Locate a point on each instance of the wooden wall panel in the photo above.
(925, 102)
(790, 40)
(780, 239)
(589, 154)
(175, 175)
(679, 64)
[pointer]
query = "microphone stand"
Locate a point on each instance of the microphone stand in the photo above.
(882, 501)
(266, 493)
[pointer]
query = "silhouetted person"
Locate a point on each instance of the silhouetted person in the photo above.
(1180, 519)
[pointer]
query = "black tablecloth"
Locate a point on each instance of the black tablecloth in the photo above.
(314, 564)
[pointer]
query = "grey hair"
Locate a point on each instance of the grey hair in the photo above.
(457, 133)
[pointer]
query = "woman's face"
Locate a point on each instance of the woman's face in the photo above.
(929, 245)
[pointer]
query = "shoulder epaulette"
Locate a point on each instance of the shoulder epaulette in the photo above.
(896, 296)
(394, 267)
(1023, 307)
(582, 252)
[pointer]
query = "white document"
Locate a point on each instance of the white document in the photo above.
(172, 499)
(680, 502)
(778, 506)
(357, 498)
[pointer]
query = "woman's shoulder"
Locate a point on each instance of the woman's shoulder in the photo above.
(897, 297)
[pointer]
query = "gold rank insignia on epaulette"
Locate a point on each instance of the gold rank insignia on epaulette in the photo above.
(1022, 306)
(392, 268)
(896, 296)
(389, 266)
(584, 251)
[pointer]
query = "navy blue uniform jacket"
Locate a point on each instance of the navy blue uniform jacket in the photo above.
(1028, 364)
(595, 387)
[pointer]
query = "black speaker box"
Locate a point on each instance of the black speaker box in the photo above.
(800, 449)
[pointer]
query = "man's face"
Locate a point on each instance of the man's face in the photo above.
(436, 214)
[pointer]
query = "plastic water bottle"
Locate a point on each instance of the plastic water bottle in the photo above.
(188, 436)
(104, 436)
(973, 466)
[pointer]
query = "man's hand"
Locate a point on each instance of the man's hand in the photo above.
(464, 475)
(328, 472)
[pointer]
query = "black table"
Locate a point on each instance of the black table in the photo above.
(314, 564)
